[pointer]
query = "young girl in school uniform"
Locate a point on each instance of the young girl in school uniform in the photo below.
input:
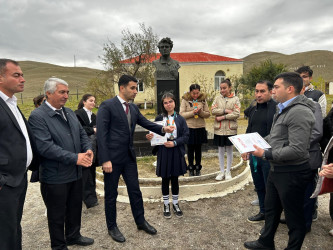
(226, 109)
(170, 156)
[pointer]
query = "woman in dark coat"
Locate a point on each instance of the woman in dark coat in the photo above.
(88, 121)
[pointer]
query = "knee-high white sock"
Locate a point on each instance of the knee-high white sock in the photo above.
(221, 158)
(166, 199)
(174, 199)
(229, 157)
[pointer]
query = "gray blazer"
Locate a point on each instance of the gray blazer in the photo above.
(58, 144)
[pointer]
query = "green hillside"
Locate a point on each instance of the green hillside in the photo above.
(321, 61)
(35, 74)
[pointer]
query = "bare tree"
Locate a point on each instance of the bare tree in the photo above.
(133, 57)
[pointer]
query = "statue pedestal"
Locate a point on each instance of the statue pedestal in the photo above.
(163, 86)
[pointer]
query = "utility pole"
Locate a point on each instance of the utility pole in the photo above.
(74, 62)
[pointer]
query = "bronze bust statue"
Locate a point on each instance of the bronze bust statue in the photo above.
(166, 67)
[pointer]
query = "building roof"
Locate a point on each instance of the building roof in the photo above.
(193, 57)
(200, 57)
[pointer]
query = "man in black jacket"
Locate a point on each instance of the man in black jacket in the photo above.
(260, 120)
(16, 155)
(64, 148)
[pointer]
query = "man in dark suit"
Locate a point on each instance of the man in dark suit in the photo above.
(16, 155)
(116, 122)
(64, 148)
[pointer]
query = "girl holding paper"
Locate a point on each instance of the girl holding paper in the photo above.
(170, 156)
(226, 108)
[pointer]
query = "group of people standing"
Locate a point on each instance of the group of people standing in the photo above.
(65, 147)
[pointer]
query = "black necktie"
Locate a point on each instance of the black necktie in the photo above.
(59, 111)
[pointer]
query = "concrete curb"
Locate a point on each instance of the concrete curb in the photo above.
(188, 192)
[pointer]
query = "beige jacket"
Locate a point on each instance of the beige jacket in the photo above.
(229, 125)
(186, 111)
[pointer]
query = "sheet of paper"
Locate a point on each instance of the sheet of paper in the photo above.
(158, 139)
(244, 142)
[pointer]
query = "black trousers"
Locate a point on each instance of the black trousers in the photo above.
(191, 149)
(174, 185)
(309, 204)
(11, 209)
(89, 195)
(64, 207)
(285, 191)
(129, 171)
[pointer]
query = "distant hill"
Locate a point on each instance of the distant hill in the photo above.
(36, 73)
(321, 61)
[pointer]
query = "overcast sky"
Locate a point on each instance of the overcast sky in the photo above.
(54, 31)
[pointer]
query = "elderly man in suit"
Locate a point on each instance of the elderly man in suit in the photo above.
(16, 155)
(64, 148)
(116, 122)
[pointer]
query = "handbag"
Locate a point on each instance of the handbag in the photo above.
(324, 184)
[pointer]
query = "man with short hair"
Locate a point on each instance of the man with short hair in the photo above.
(17, 153)
(260, 121)
(316, 95)
(116, 121)
(64, 148)
(289, 159)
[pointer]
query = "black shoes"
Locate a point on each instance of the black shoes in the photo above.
(116, 235)
(81, 241)
(176, 210)
(119, 237)
(256, 218)
(256, 245)
(191, 170)
(167, 213)
(92, 205)
(147, 228)
(198, 170)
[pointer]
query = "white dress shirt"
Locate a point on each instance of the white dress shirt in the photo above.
(89, 113)
(12, 105)
(122, 102)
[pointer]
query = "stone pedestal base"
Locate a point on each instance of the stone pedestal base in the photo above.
(163, 86)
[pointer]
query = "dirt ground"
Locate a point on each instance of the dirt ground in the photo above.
(217, 223)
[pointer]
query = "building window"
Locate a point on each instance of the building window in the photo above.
(219, 77)
(140, 87)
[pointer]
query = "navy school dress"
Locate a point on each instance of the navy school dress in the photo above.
(171, 161)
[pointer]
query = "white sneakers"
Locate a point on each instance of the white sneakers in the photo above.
(220, 176)
(228, 175)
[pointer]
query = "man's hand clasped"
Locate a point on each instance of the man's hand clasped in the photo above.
(85, 159)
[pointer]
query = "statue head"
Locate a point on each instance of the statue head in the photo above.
(165, 46)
